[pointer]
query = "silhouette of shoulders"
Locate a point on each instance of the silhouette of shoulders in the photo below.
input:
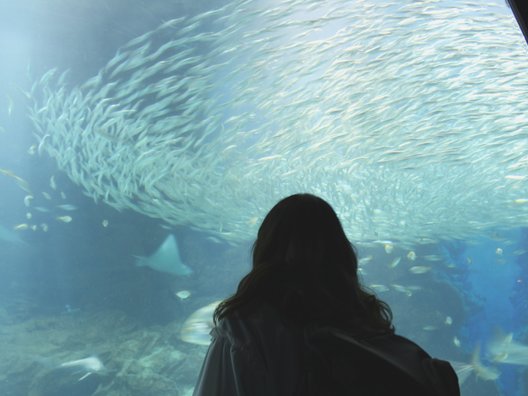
(256, 352)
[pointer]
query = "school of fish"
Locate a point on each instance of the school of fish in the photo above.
(407, 116)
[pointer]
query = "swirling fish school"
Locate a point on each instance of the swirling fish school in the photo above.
(403, 126)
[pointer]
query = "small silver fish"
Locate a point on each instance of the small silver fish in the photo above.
(420, 269)
(379, 288)
(20, 227)
(27, 200)
(394, 263)
(67, 207)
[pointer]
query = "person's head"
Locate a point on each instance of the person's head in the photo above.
(304, 265)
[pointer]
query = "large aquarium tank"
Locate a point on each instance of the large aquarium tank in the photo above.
(143, 141)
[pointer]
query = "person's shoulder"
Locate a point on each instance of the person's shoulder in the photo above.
(244, 324)
(438, 372)
(408, 343)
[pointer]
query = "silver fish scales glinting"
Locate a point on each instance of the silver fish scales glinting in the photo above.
(415, 129)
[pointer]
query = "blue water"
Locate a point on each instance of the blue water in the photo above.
(494, 285)
(75, 283)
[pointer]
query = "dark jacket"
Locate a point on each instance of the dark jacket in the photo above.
(261, 355)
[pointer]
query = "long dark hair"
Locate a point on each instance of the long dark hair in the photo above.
(304, 265)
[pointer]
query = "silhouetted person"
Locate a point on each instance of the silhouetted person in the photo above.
(300, 323)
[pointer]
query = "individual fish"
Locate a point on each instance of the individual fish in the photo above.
(197, 327)
(20, 182)
(402, 289)
(10, 105)
(67, 207)
(8, 236)
(365, 260)
(87, 366)
(394, 263)
(183, 294)
(486, 373)
(65, 219)
(503, 349)
(515, 177)
(429, 328)
(433, 257)
(214, 239)
(42, 143)
(420, 269)
(411, 255)
(378, 288)
(464, 370)
(28, 199)
(20, 227)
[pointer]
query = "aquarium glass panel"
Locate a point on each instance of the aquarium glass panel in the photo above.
(142, 142)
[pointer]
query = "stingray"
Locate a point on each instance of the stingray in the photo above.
(166, 259)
